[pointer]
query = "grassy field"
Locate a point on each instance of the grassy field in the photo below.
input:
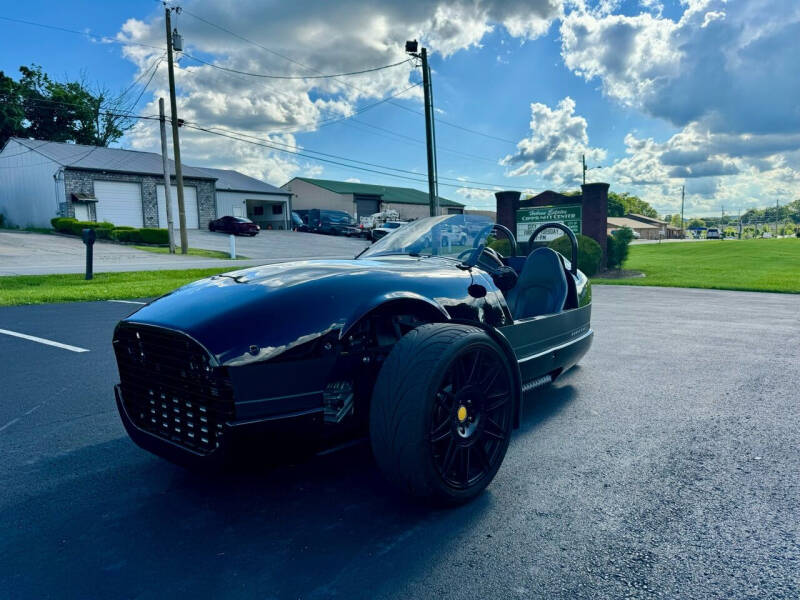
(771, 265)
(36, 289)
(191, 252)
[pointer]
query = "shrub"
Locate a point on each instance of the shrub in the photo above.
(63, 224)
(501, 246)
(617, 247)
(590, 254)
(154, 236)
(140, 236)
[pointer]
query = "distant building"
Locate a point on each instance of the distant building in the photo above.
(363, 199)
(648, 228)
(40, 180)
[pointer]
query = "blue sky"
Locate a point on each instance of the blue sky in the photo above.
(658, 93)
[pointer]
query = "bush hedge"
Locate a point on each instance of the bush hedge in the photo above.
(617, 247)
(146, 235)
(108, 231)
(590, 254)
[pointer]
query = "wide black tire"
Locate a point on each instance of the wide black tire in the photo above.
(211, 227)
(410, 407)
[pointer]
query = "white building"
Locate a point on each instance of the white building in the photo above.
(40, 180)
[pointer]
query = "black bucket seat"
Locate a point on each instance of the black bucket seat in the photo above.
(541, 288)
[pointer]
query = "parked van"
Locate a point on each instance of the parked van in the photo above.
(712, 233)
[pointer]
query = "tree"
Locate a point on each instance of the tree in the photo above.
(675, 221)
(621, 204)
(696, 223)
(38, 107)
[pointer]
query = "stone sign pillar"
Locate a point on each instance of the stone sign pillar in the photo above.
(591, 209)
(595, 214)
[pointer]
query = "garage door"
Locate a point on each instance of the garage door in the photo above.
(366, 206)
(119, 203)
(189, 206)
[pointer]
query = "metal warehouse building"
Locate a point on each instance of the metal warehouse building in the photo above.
(40, 180)
(364, 199)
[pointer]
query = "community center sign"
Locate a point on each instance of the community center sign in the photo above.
(528, 219)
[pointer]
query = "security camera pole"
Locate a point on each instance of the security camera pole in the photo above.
(176, 153)
(430, 138)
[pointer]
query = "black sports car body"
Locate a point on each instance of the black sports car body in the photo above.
(429, 348)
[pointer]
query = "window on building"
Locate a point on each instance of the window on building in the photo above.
(258, 210)
(277, 209)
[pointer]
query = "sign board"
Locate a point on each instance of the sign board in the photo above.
(528, 219)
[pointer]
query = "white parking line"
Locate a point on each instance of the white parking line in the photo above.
(127, 302)
(33, 338)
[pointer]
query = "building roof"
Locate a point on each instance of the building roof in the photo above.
(392, 194)
(639, 217)
(233, 181)
(98, 158)
(626, 222)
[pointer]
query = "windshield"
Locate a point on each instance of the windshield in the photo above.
(452, 236)
(392, 225)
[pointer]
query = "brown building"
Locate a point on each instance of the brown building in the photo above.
(648, 228)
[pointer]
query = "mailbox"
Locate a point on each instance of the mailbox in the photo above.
(89, 236)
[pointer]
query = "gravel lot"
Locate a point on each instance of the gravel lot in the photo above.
(665, 466)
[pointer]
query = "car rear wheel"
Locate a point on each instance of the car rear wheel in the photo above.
(210, 226)
(441, 414)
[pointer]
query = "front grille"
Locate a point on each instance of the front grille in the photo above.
(171, 388)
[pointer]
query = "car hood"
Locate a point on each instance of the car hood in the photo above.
(259, 313)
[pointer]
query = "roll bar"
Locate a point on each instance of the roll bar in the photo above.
(573, 240)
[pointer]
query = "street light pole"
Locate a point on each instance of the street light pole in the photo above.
(430, 139)
(176, 152)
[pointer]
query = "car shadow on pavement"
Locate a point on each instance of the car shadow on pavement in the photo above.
(145, 528)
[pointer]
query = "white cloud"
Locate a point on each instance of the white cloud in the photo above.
(327, 37)
(553, 150)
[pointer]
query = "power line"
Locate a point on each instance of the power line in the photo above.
(444, 122)
(269, 76)
(104, 38)
(280, 147)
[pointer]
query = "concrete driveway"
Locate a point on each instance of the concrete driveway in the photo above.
(23, 253)
(286, 245)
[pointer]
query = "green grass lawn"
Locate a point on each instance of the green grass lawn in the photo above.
(771, 265)
(37, 289)
(191, 252)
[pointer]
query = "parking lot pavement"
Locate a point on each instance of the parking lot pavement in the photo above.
(23, 253)
(666, 465)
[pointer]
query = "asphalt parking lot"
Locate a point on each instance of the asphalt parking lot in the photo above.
(665, 466)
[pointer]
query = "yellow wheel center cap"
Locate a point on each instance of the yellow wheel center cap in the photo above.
(462, 413)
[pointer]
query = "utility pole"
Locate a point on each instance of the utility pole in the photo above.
(167, 183)
(430, 139)
(683, 196)
(176, 153)
(583, 163)
(777, 211)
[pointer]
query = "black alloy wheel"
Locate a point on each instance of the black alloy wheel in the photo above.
(471, 417)
(442, 412)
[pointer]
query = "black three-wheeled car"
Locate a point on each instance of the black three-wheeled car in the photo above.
(426, 346)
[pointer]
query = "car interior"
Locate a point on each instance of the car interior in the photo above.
(534, 285)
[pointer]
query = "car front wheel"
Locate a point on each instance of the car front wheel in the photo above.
(441, 414)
